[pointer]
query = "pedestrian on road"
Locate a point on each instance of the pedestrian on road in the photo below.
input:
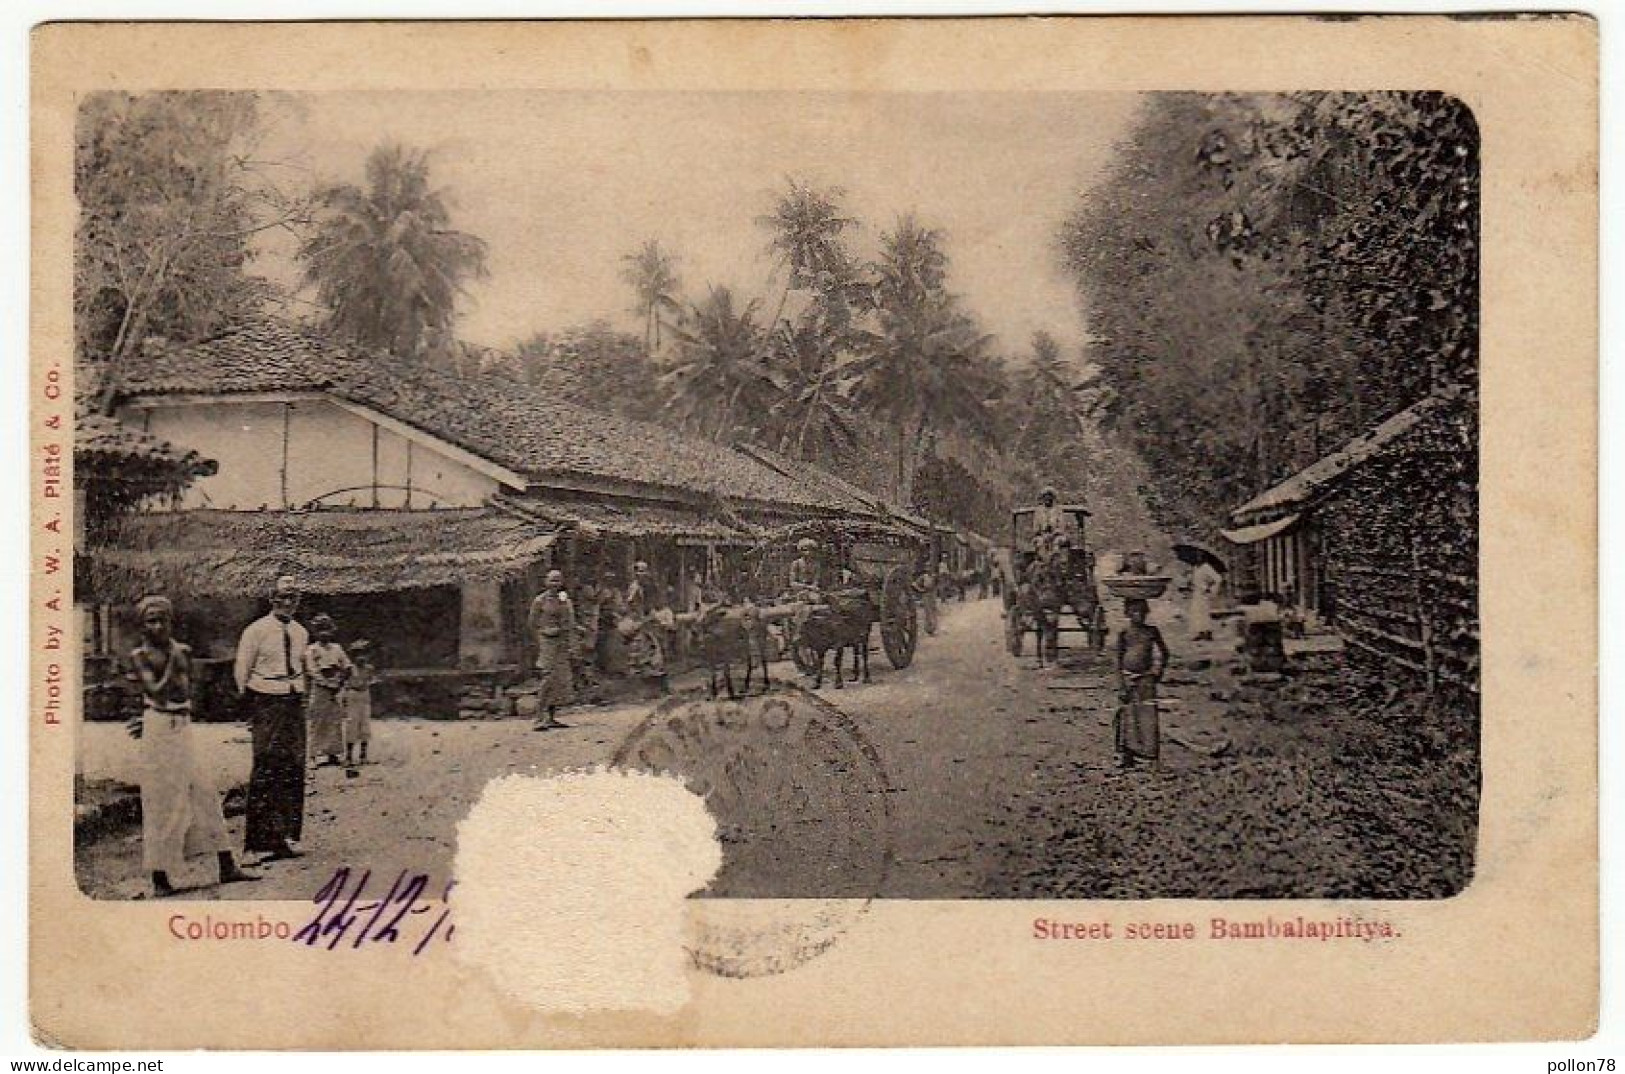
(1205, 582)
(327, 669)
(650, 643)
(180, 805)
(1142, 657)
(271, 680)
(358, 701)
(553, 622)
(927, 586)
(604, 621)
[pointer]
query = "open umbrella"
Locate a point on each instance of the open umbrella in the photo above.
(1194, 554)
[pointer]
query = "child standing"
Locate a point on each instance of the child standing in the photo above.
(327, 669)
(1142, 657)
(180, 809)
(358, 701)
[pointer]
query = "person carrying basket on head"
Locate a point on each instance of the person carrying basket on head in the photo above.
(1142, 657)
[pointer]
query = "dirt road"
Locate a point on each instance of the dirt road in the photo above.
(959, 733)
(1001, 784)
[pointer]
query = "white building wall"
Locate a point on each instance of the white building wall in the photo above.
(244, 438)
(329, 453)
(394, 467)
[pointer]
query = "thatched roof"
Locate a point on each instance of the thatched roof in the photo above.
(119, 468)
(624, 518)
(1308, 484)
(509, 423)
(216, 553)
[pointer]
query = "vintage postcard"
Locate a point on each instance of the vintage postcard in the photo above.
(846, 532)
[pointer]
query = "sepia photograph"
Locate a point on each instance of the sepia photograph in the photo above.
(1095, 473)
(813, 532)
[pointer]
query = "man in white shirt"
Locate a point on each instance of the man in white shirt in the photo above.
(270, 679)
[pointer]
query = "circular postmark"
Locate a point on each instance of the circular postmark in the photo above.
(803, 811)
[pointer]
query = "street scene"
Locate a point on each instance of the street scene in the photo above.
(995, 770)
(1107, 463)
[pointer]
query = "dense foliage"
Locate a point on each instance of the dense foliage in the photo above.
(592, 365)
(170, 194)
(1268, 276)
(878, 370)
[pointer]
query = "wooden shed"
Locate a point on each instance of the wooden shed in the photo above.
(1380, 540)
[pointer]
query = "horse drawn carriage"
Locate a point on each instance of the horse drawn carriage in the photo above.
(1045, 571)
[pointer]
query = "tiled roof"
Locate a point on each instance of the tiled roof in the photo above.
(807, 474)
(504, 421)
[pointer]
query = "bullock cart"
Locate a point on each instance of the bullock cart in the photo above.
(868, 569)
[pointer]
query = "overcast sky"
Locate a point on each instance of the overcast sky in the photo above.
(562, 185)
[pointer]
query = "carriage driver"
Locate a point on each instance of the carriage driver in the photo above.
(1050, 522)
(806, 573)
(1048, 518)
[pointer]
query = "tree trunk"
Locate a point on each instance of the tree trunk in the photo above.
(901, 487)
(807, 420)
(136, 306)
(725, 429)
(784, 297)
(915, 446)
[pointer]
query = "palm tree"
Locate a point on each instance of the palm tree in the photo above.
(385, 261)
(912, 266)
(1046, 395)
(720, 371)
(807, 225)
(652, 274)
(924, 369)
(924, 365)
(811, 373)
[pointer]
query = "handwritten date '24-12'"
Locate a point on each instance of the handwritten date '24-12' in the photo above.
(345, 913)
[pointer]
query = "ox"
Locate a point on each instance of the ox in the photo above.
(726, 636)
(845, 621)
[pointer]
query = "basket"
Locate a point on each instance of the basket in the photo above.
(1141, 586)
